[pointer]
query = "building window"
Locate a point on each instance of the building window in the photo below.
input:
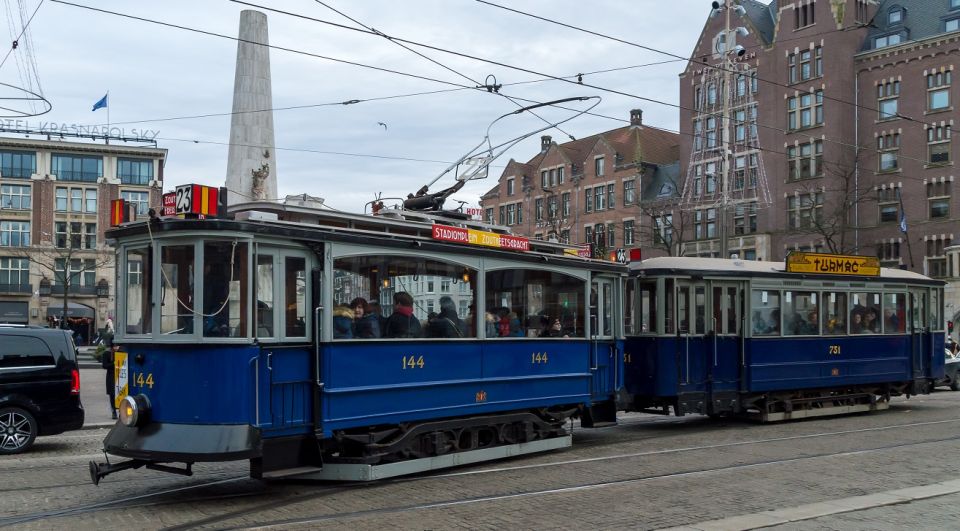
(503, 215)
(509, 186)
(135, 171)
(14, 197)
(82, 272)
(565, 236)
(863, 12)
(895, 16)
(611, 235)
(663, 229)
(807, 64)
(888, 203)
(14, 271)
(804, 210)
(77, 167)
(543, 179)
(142, 200)
(560, 175)
(552, 207)
(588, 199)
(954, 4)
(566, 204)
(511, 214)
(887, 40)
(79, 236)
(938, 144)
(804, 15)
(628, 236)
(17, 164)
(888, 98)
(611, 191)
(936, 258)
(888, 150)
(598, 166)
(889, 253)
(741, 85)
(805, 160)
(805, 110)
(488, 215)
(15, 233)
(599, 199)
(938, 90)
(538, 209)
(711, 132)
(952, 24)
(938, 197)
(705, 223)
(629, 188)
(745, 218)
(711, 94)
(77, 199)
(588, 234)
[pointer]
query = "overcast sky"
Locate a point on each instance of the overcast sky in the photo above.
(155, 72)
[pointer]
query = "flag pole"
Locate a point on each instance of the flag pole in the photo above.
(903, 226)
(107, 136)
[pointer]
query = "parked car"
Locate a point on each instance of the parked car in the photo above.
(39, 385)
(951, 374)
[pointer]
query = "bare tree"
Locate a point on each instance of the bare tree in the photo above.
(67, 257)
(668, 224)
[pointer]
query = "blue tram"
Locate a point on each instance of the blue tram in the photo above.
(714, 337)
(353, 346)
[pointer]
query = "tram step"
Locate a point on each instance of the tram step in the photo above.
(291, 472)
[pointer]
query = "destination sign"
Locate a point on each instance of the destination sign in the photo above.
(479, 237)
(833, 264)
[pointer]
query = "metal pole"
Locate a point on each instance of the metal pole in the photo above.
(725, 166)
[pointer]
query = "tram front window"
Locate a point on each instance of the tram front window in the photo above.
(139, 292)
(224, 289)
(177, 291)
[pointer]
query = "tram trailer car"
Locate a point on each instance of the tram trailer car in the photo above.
(243, 339)
(713, 337)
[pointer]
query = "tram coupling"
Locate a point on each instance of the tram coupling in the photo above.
(99, 471)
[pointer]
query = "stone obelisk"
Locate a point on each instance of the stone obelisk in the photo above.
(252, 159)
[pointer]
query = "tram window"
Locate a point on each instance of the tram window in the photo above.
(648, 308)
(540, 298)
(683, 313)
(894, 313)
(295, 297)
(177, 296)
(224, 289)
(765, 320)
(801, 316)
(265, 299)
(733, 311)
(865, 313)
(724, 310)
(668, 305)
(700, 309)
(366, 289)
(835, 314)
(630, 302)
(607, 309)
(936, 315)
(139, 287)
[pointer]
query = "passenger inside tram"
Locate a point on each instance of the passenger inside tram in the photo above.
(402, 322)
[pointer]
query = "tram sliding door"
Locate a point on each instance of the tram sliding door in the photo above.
(603, 331)
(918, 325)
(725, 344)
(694, 347)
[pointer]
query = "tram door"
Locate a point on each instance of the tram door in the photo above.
(918, 327)
(723, 345)
(693, 346)
(603, 331)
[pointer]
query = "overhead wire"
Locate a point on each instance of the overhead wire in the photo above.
(24, 29)
(545, 76)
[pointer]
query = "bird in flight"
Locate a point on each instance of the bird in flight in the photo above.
(383, 124)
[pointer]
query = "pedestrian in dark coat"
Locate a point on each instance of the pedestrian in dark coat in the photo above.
(107, 363)
(402, 322)
(447, 323)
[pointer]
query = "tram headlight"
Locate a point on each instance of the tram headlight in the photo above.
(135, 410)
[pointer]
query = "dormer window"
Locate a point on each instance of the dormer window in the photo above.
(895, 16)
(887, 40)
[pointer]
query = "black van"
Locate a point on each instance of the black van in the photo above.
(39, 385)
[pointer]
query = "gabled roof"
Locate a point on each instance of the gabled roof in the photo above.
(923, 18)
(763, 17)
(634, 143)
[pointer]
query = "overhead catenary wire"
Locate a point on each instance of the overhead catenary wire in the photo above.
(544, 76)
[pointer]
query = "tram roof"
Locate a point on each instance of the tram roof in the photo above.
(721, 266)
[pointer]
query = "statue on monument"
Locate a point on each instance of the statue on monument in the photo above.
(260, 175)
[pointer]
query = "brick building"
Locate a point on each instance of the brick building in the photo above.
(853, 103)
(588, 190)
(54, 208)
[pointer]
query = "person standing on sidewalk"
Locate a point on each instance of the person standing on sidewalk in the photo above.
(107, 363)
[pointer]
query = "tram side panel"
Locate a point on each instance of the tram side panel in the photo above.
(388, 383)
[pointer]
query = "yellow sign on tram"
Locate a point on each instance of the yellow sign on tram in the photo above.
(120, 370)
(833, 264)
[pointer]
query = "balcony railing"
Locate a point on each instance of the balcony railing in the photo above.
(16, 288)
(74, 290)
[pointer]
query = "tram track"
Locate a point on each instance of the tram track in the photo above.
(449, 503)
(287, 493)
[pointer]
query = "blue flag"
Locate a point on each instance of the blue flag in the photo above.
(101, 103)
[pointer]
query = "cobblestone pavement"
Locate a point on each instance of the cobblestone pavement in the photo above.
(647, 473)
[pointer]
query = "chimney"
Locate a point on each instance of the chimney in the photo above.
(636, 117)
(545, 142)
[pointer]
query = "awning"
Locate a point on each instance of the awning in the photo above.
(73, 310)
(14, 312)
